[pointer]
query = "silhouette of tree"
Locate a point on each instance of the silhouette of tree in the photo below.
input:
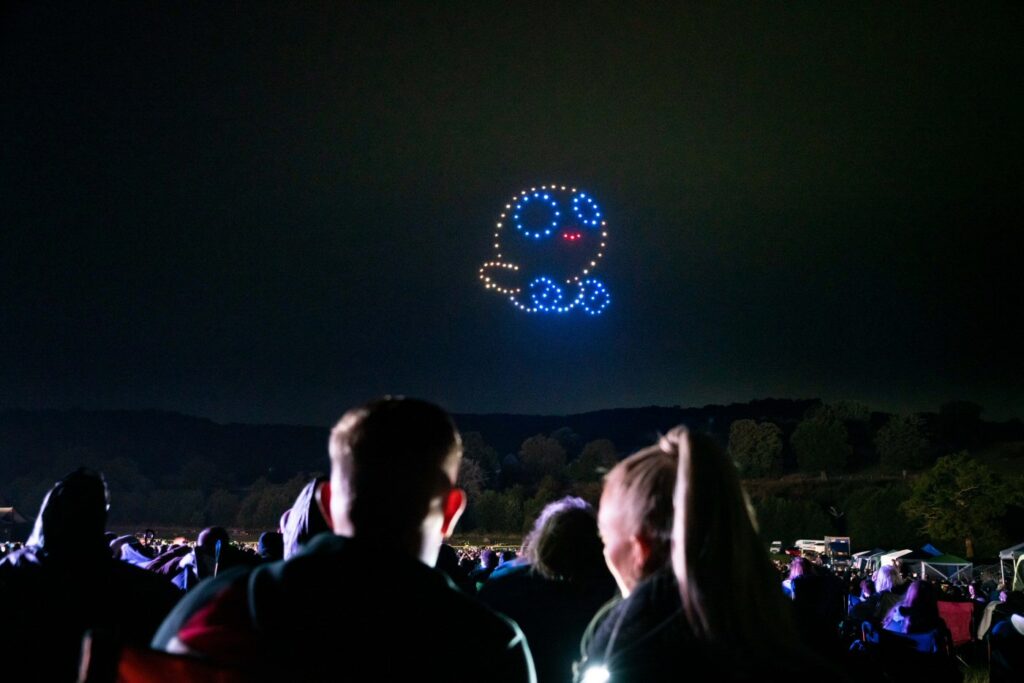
(542, 456)
(476, 449)
(901, 443)
(595, 460)
(821, 443)
(961, 499)
(756, 448)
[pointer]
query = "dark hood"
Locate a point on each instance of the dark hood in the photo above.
(304, 520)
(73, 517)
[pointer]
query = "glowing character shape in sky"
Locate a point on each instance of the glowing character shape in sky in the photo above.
(548, 242)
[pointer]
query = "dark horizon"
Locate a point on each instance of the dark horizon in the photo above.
(743, 406)
(272, 215)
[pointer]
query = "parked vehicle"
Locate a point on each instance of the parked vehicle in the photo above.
(838, 550)
(812, 545)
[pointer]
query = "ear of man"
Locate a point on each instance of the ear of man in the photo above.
(454, 505)
(323, 503)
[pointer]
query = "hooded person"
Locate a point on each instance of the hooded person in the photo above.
(304, 519)
(65, 581)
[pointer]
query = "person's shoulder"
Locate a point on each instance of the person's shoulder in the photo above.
(494, 639)
(218, 600)
(468, 610)
(595, 636)
(130, 574)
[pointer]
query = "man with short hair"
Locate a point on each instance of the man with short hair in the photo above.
(363, 603)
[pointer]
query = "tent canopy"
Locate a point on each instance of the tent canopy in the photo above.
(888, 557)
(9, 515)
(1012, 552)
(948, 567)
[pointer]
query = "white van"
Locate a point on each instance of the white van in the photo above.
(814, 545)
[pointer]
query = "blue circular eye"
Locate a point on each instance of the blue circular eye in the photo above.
(593, 297)
(586, 210)
(543, 221)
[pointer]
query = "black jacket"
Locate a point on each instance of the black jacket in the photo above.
(639, 638)
(338, 610)
(66, 582)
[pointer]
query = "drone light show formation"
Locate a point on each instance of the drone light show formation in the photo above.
(548, 242)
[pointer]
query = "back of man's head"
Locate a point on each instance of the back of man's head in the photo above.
(393, 461)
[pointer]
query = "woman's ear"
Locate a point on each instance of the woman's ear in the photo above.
(323, 503)
(454, 506)
(641, 547)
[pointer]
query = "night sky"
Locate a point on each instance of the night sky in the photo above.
(267, 213)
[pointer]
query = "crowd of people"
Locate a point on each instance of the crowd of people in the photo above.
(667, 576)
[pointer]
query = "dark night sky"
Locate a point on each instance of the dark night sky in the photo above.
(269, 213)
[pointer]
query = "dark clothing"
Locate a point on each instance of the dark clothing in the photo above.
(49, 605)
(646, 637)
(818, 609)
(201, 563)
(640, 638)
(1007, 646)
(337, 611)
(553, 614)
(865, 610)
(65, 582)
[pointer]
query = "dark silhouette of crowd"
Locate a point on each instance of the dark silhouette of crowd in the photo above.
(666, 579)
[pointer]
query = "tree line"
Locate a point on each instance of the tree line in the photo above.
(885, 480)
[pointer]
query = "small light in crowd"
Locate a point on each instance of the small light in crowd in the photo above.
(596, 674)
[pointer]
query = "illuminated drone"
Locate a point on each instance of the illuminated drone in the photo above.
(548, 242)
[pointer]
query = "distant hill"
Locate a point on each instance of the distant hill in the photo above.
(160, 445)
(179, 472)
(161, 442)
(631, 428)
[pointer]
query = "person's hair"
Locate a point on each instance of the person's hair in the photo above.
(798, 567)
(489, 558)
(270, 545)
(394, 456)
(886, 578)
(867, 587)
(643, 484)
(564, 543)
(729, 587)
(920, 607)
